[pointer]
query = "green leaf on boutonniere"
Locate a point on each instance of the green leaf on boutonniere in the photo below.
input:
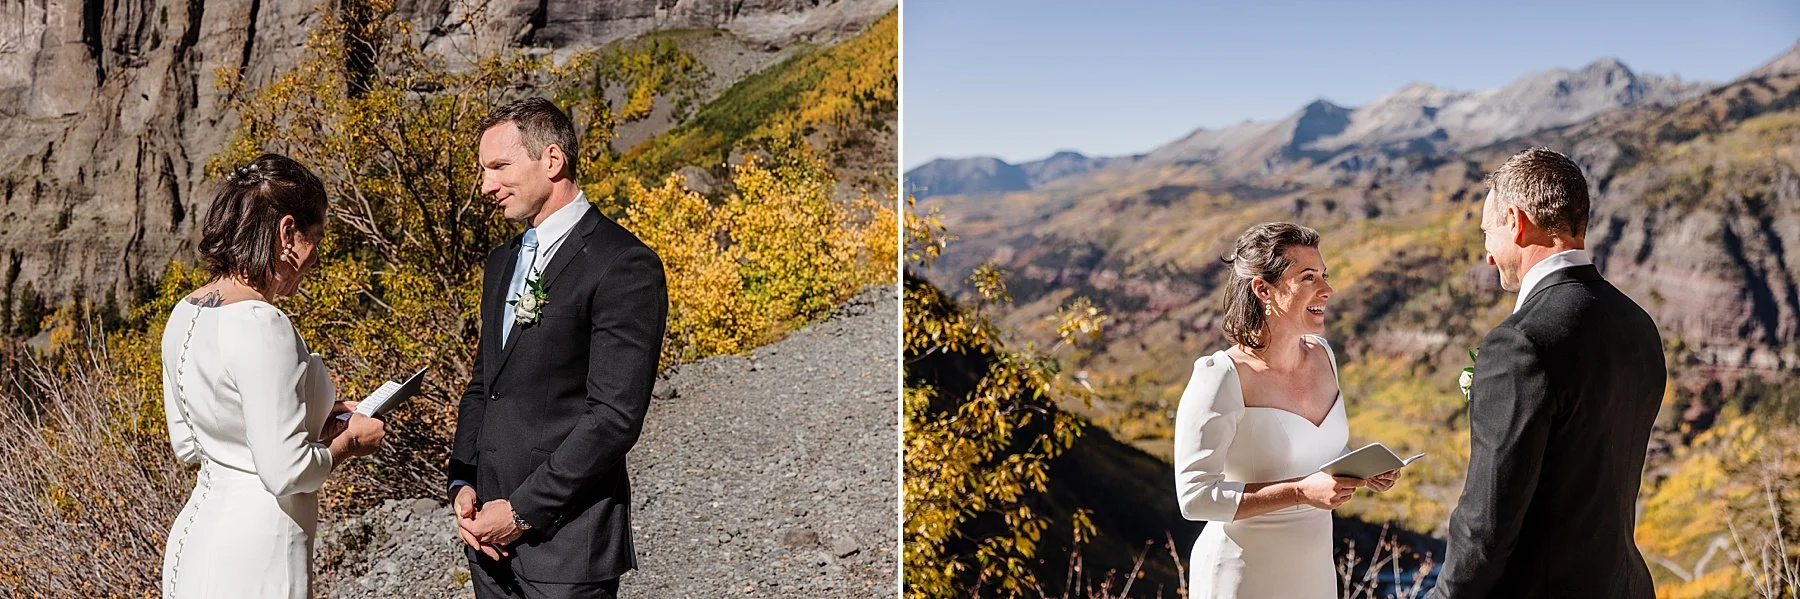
(529, 308)
(1466, 380)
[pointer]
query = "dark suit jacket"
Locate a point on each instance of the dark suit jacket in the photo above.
(1565, 393)
(547, 420)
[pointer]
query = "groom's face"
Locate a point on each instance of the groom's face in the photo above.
(517, 181)
(1498, 233)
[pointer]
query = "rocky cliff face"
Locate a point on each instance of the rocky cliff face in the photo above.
(109, 109)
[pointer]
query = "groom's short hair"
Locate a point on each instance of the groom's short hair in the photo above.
(1548, 186)
(540, 124)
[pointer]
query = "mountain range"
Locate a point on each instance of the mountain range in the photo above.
(1419, 119)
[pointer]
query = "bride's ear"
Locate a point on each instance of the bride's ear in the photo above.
(286, 232)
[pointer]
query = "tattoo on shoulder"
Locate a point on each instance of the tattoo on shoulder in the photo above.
(212, 299)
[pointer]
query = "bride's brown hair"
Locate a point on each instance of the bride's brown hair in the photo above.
(243, 223)
(1260, 253)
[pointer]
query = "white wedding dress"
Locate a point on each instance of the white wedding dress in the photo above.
(246, 400)
(1220, 445)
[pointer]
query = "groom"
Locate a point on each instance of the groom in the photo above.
(572, 316)
(1560, 413)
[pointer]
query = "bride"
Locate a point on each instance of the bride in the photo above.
(1256, 422)
(246, 400)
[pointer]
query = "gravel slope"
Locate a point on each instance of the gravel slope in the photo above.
(767, 475)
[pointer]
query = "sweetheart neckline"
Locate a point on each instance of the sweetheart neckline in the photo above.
(1335, 402)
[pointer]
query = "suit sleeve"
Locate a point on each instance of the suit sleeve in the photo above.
(630, 307)
(1510, 416)
(473, 405)
(1205, 424)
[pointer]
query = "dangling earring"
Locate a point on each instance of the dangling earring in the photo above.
(287, 253)
(1268, 310)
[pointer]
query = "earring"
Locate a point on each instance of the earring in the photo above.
(287, 253)
(1268, 310)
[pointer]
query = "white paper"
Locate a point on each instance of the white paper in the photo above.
(379, 398)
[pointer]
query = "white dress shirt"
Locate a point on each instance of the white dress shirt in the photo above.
(554, 230)
(1556, 262)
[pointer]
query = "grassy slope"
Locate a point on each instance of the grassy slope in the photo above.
(853, 79)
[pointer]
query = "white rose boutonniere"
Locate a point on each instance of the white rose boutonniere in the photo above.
(1467, 379)
(529, 308)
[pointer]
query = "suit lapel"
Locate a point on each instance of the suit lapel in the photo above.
(496, 314)
(566, 253)
(575, 244)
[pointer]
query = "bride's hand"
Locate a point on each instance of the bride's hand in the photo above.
(1327, 492)
(1384, 481)
(362, 436)
(334, 425)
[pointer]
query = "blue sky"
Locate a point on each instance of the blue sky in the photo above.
(1021, 79)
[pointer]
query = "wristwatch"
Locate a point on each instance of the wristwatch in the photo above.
(520, 522)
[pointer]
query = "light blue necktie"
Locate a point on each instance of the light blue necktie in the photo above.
(527, 254)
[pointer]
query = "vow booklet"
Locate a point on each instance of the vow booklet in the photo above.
(1371, 460)
(389, 396)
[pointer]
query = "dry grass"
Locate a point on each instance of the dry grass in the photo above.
(1078, 583)
(1765, 559)
(1765, 551)
(1359, 576)
(86, 496)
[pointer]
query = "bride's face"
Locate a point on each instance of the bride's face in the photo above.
(303, 256)
(1299, 297)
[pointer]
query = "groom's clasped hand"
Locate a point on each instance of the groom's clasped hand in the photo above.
(488, 528)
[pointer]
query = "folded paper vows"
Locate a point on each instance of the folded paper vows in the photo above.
(1371, 460)
(389, 396)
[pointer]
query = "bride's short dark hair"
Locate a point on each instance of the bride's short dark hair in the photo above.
(1260, 253)
(243, 224)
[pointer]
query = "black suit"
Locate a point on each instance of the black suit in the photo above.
(1565, 393)
(547, 420)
